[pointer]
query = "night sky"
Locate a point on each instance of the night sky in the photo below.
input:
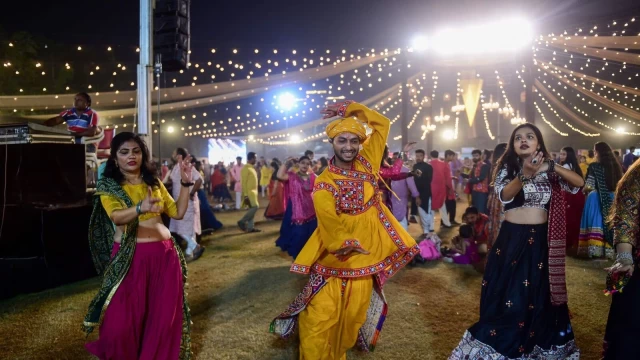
(291, 23)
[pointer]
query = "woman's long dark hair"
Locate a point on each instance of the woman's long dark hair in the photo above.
(572, 160)
(147, 168)
(511, 160)
(275, 167)
(495, 157)
(611, 166)
(499, 150)
(385, 156)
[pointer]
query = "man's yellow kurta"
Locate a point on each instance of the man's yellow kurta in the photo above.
(249, 179)
(335, 305)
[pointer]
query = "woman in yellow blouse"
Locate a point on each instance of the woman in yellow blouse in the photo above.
(265, 176)
(141, 306)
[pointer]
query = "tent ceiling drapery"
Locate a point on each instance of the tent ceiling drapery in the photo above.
(614, 42)
(562, 107)
(623, 57)
(609, 103)
(633, 91)
(319, 73)
(174, 95)
(370, 101)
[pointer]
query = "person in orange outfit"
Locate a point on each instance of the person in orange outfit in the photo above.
(357, 246)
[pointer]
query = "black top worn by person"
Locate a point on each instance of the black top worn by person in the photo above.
(423, 183)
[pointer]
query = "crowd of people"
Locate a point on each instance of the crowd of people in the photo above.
(344, 223)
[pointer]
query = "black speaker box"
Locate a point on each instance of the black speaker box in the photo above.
(172, 34)
(44, 248)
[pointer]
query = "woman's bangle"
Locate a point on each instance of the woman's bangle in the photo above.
(139, 207)
(552, 166)
(523, 179)
(186, 184)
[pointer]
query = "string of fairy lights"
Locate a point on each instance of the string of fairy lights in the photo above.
(329, 92)
(214, 132)
(607, 86)
(584, 113)
(486, 120)
(557, 115)
(544, 118)
(320, 93)
(559, 56)
(279, 139)
(208, 70)
(564, 78)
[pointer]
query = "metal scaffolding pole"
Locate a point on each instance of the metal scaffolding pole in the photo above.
(144, 72)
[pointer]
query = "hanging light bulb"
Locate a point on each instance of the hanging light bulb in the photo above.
(442, 117)
(458, 107)
(517, 120)
(489, 106)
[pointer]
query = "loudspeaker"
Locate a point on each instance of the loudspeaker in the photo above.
(172, 38)
(44, 248)
(43, 174)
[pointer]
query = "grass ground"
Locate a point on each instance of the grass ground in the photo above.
(242, 282)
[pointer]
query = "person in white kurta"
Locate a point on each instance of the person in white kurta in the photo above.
(191, 220)
(236, 174)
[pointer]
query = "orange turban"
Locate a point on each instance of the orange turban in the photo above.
(346, 125)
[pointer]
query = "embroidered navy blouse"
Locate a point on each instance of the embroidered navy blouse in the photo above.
(535, 193)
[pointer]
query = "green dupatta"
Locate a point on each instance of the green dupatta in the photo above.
(605, 199)
(101, 232)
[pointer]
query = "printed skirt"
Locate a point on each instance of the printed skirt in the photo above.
(592, 243)
(517, 319)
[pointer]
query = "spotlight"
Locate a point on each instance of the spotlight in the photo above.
(286, 101)
(170, 129)
(448, 134)
(420, 43)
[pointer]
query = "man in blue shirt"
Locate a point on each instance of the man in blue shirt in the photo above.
(629, 158)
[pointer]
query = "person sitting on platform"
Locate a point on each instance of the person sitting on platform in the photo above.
(81, 120)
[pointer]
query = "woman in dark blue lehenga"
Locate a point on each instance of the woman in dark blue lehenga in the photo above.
(208, 220)
(523, 306)
(299, 220)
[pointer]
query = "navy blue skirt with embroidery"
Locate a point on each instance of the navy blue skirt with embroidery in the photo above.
(516, 315)
(293, 237)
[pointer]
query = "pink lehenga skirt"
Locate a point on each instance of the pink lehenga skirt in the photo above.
(144, 318)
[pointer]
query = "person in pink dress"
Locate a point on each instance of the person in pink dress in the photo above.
(235, 175)
(441, 187)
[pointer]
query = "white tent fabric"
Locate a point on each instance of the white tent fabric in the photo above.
(176, 96)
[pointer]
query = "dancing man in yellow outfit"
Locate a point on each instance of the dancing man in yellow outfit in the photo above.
(357, 246)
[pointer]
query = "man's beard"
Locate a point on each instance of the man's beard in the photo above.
(476, 160)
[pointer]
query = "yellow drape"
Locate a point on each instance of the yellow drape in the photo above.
(471, 89)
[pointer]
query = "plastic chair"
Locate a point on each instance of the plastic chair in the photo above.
(92, 158)
(104, 147)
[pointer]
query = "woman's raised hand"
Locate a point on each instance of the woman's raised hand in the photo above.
(532, 164)
(151, 204)
(185, 170)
